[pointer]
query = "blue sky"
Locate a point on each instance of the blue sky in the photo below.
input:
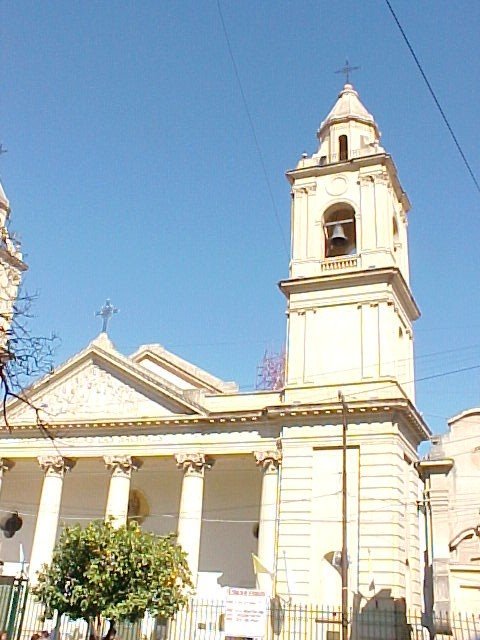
(133, 173)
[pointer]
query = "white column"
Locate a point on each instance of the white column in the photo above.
(46, 526)
(269, 461)
(119, 489)
(5, 465)
(191, 505)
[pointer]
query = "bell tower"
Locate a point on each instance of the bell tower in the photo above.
(350, 308)
(11, 269)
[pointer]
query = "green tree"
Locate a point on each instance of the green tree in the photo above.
(103, 572)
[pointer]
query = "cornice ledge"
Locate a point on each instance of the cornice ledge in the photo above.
(334, 167)
(204, 419)
(390, 275)
(427, 468)
(354, 407)
(207, 381)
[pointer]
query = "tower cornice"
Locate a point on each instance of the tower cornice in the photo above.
(390, 276)
(311, 168)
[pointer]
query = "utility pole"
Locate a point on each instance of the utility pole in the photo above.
(344, 519)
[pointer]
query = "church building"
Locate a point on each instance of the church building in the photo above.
(151, 436)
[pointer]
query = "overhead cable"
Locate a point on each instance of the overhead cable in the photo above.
(434, 96)
(252, 127)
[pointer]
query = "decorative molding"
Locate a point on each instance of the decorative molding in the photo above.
(194, 464)
(381, 178)
(94, 391)
(72, 375)
(337, 186)
(305, 189)
(55, 466)
(365, 180)
(268, 460)
(122, 466)
(299, 191)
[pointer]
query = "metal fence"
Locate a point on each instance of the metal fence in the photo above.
(205, 620)
(13, 598)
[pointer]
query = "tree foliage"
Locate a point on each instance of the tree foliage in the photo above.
(114, 573)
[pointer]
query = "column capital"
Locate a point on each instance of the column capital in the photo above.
(5, 465)
(365, 180)
(268, 460)
(55, 465)
(122, 465)
(194, 464)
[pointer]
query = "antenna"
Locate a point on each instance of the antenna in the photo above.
(271, 371)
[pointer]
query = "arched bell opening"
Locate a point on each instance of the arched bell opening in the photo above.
(340, 231)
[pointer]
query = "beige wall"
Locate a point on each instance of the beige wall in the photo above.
(383, 530)
(461, 444)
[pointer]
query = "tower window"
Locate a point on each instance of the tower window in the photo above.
(340, 232)
(343, 147)
(396, 237)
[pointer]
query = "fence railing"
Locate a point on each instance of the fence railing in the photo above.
(205, 620)
(340, 263)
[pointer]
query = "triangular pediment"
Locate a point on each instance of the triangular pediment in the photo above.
(100, 384)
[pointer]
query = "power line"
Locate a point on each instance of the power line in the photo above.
(389, 505)
(435, 99)
(252, 127)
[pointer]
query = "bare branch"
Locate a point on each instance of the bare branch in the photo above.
(23, 358)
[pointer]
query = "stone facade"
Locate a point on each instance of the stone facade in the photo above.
(241, 473)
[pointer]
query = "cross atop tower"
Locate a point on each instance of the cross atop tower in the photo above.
(347, 70)
(106, 313)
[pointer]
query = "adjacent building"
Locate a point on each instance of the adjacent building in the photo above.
(452, 476)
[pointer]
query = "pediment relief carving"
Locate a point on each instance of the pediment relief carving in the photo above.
(93, 392)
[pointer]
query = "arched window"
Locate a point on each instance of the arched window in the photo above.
(340, 231)
(396, 238)
(343, 148)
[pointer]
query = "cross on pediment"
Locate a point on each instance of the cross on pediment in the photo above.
(106, 313)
